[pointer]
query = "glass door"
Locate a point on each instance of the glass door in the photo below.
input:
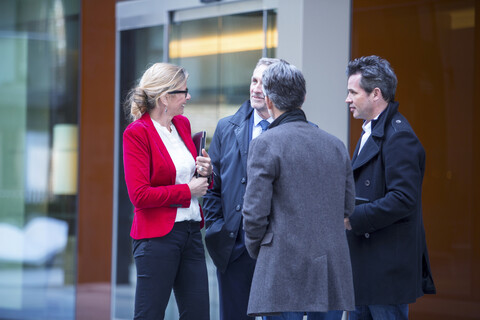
(138, 49)
(220, 53)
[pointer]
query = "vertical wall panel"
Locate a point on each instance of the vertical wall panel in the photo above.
(476, 159)
(96, 159)
(314, 36)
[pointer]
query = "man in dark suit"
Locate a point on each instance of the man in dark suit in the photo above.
(300, 188)
(385, 232)
(223, 204)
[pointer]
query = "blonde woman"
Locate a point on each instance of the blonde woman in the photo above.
(160, 160)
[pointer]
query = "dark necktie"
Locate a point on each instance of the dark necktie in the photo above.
(264, 124)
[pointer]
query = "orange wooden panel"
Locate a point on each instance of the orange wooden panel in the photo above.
(95, 197)
(433, 47)
(476, 160)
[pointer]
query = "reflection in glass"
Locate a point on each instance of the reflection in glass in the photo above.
(38, 84)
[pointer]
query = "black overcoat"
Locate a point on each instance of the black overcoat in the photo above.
(387, 242)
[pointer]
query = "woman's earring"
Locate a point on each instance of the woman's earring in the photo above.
(165, 109)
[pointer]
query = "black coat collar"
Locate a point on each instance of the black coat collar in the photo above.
(372, 147)
(378, 127)
(289, 116)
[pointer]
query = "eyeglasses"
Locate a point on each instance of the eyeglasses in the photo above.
(179, 91)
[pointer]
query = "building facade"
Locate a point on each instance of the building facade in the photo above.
(66, 65)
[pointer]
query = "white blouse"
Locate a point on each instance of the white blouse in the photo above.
(185, 166)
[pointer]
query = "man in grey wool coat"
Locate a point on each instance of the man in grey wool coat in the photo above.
(299, 190)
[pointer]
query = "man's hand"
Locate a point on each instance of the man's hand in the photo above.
(346, 221)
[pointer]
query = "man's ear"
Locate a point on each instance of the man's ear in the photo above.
(269, 103)
(377, 94)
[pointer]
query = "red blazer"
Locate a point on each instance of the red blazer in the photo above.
(150, 177)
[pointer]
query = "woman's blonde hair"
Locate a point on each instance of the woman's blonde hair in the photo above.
(156, 82)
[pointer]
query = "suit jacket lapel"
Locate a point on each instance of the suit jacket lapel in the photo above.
(153, 135)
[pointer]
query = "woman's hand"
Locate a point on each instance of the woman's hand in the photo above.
(204, 164)
(198, 186)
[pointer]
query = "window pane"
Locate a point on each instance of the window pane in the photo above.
(220, 54)
(39, 44)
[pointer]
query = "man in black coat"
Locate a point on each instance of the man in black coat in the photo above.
(385, 233)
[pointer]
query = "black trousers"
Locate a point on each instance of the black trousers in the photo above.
(175, 261)
(234, 288)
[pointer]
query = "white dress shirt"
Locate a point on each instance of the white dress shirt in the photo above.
(257, 129)
(367, 128)
(367, 131)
